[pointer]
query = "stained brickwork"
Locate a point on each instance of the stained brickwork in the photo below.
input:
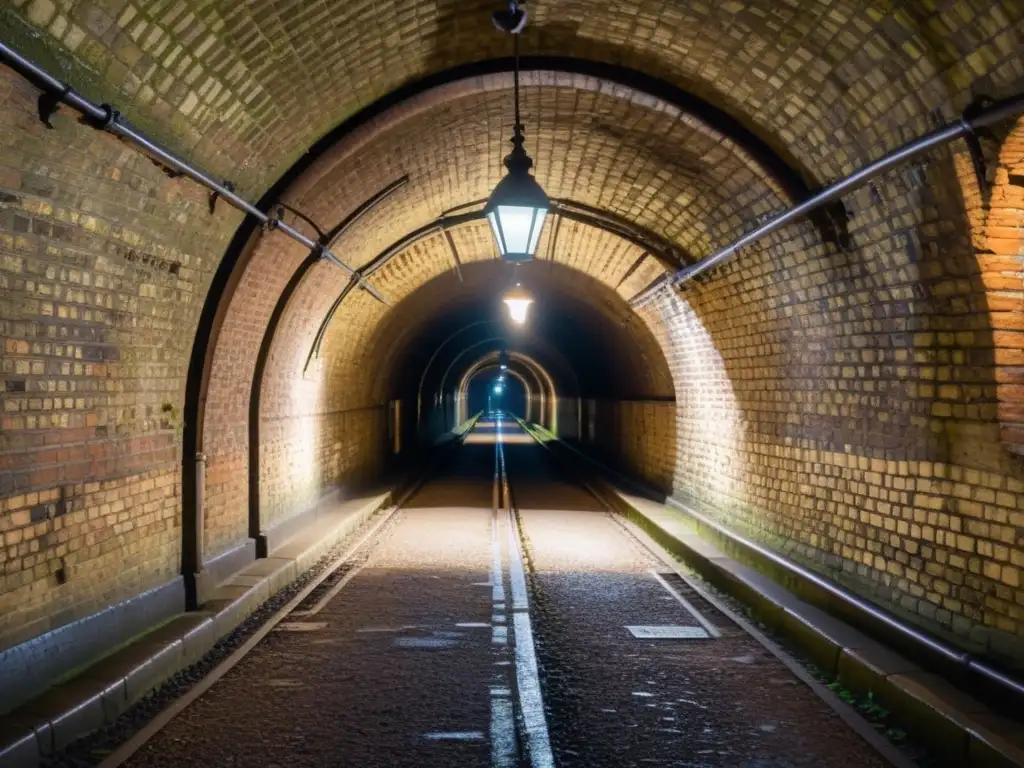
(859, 409)
(873, 453)
(995, 209)
(104, 263)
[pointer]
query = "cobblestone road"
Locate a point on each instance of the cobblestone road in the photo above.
(409, 664)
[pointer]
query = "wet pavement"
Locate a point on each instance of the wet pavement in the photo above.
(616, 700)
(414, 661)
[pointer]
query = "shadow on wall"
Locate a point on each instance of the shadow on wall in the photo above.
(637, 437)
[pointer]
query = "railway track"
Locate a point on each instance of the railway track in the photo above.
(499, 615)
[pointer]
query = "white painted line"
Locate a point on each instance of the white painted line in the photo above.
(503, 730)
(497, 581)
(531, 701)
(473, 624)
(516, 571)
(503, 720)
(455, 736)
(711, 628)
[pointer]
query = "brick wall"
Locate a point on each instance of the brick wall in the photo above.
(71, 551)
(104, 262)
(636, 437)
(995, 210)
(860, 408)
(843, 408)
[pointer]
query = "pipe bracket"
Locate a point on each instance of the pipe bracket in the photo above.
(977, 155)
(974, 142)
(49, 102)
(111, 117)
(214, 195)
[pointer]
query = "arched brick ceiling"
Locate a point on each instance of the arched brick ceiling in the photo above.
(350, 351)
(635, 157)
(575, 321)
(251, 85)
(619, 151)
(245, 88)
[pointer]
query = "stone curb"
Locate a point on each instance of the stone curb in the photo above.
(957, 727)
(73, 709)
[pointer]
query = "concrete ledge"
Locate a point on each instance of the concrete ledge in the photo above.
(28, 669)
(221, 566)
(101, 693)
(960, 729)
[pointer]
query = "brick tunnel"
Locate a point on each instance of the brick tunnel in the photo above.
(787, 426)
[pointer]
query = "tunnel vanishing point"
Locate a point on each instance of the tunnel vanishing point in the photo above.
(261, 392)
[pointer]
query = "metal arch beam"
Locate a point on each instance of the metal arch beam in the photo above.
(528, 359)
(430, 362)
(531, 364)
(490, 361)
(782, 170)
(236, 256)
(669, 254)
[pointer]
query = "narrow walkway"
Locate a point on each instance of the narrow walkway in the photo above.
(408, 661)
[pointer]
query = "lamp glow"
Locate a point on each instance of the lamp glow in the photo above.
(518, 302)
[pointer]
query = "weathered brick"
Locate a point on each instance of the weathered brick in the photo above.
(802, 374)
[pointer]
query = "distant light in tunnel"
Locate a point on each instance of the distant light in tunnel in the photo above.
(518, 301)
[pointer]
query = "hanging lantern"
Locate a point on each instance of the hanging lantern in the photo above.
(518, 207)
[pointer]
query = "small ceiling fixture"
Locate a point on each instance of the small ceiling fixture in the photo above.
(518, 301)
(518, 206)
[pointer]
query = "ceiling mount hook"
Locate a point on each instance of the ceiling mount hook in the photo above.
(511, 20)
